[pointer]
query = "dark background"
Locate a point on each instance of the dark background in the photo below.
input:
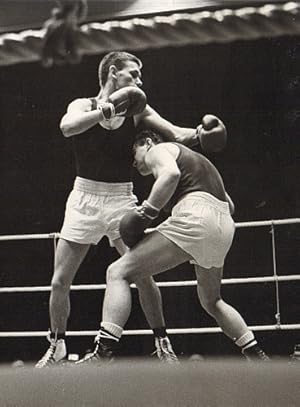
(254, 88)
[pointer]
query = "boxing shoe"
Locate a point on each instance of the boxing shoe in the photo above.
(255, 354)
(103, 353)
(295, 356)
(55, 355)
(164, 350)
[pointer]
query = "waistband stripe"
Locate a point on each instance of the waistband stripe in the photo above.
(207, 198)
(103, 188)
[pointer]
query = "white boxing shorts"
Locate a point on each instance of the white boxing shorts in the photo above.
(202, 226)
(94, 210)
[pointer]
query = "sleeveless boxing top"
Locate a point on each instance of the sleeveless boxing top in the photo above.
(197, 174)
(105, 155)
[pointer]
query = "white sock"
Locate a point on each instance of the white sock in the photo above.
(112, 329)
(246, 340)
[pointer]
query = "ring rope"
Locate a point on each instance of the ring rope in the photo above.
(36, 236)
(277, 315)
(55, 235)
(244, 280)
(274, 222)
(275, 278)
(174, 331)
(162, 284)
(179, 29)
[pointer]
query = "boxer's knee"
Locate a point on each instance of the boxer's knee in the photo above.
(210, 303)
(112, 273)
(118, 271)
(60, 284)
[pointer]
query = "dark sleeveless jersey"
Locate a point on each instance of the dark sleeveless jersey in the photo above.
(105, 155)
(197, 174)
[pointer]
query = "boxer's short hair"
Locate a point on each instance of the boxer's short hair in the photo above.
(117, 58)
(144, 134)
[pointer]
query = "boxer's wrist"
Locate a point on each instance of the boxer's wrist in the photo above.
(197, 135)
(107, 110)
(148, 210)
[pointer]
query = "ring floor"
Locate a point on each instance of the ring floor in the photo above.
(140, 383)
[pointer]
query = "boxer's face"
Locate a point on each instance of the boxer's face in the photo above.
(129, 75)
(139, 159)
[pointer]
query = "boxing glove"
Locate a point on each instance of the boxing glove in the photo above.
(124, 102)
(212, 134)
(128, 101)
(133, 224)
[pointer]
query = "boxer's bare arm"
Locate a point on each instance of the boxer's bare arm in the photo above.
(79, 117)
(160, 159)
(150, 119)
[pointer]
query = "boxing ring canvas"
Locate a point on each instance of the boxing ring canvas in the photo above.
(241, 63)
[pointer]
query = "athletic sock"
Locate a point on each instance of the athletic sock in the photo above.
(107, 342)
(56, 335)
(111, 329)
(246, 341)
(160, 332)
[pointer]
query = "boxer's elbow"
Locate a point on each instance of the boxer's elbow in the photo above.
(186, 136)
(66, 131)
(67, 128)
(230, 203)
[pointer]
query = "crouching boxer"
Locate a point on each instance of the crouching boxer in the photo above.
(200, 229)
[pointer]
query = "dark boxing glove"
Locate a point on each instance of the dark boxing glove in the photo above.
(124, 102)
(212, 134)
(128, 101)
(133, 224)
